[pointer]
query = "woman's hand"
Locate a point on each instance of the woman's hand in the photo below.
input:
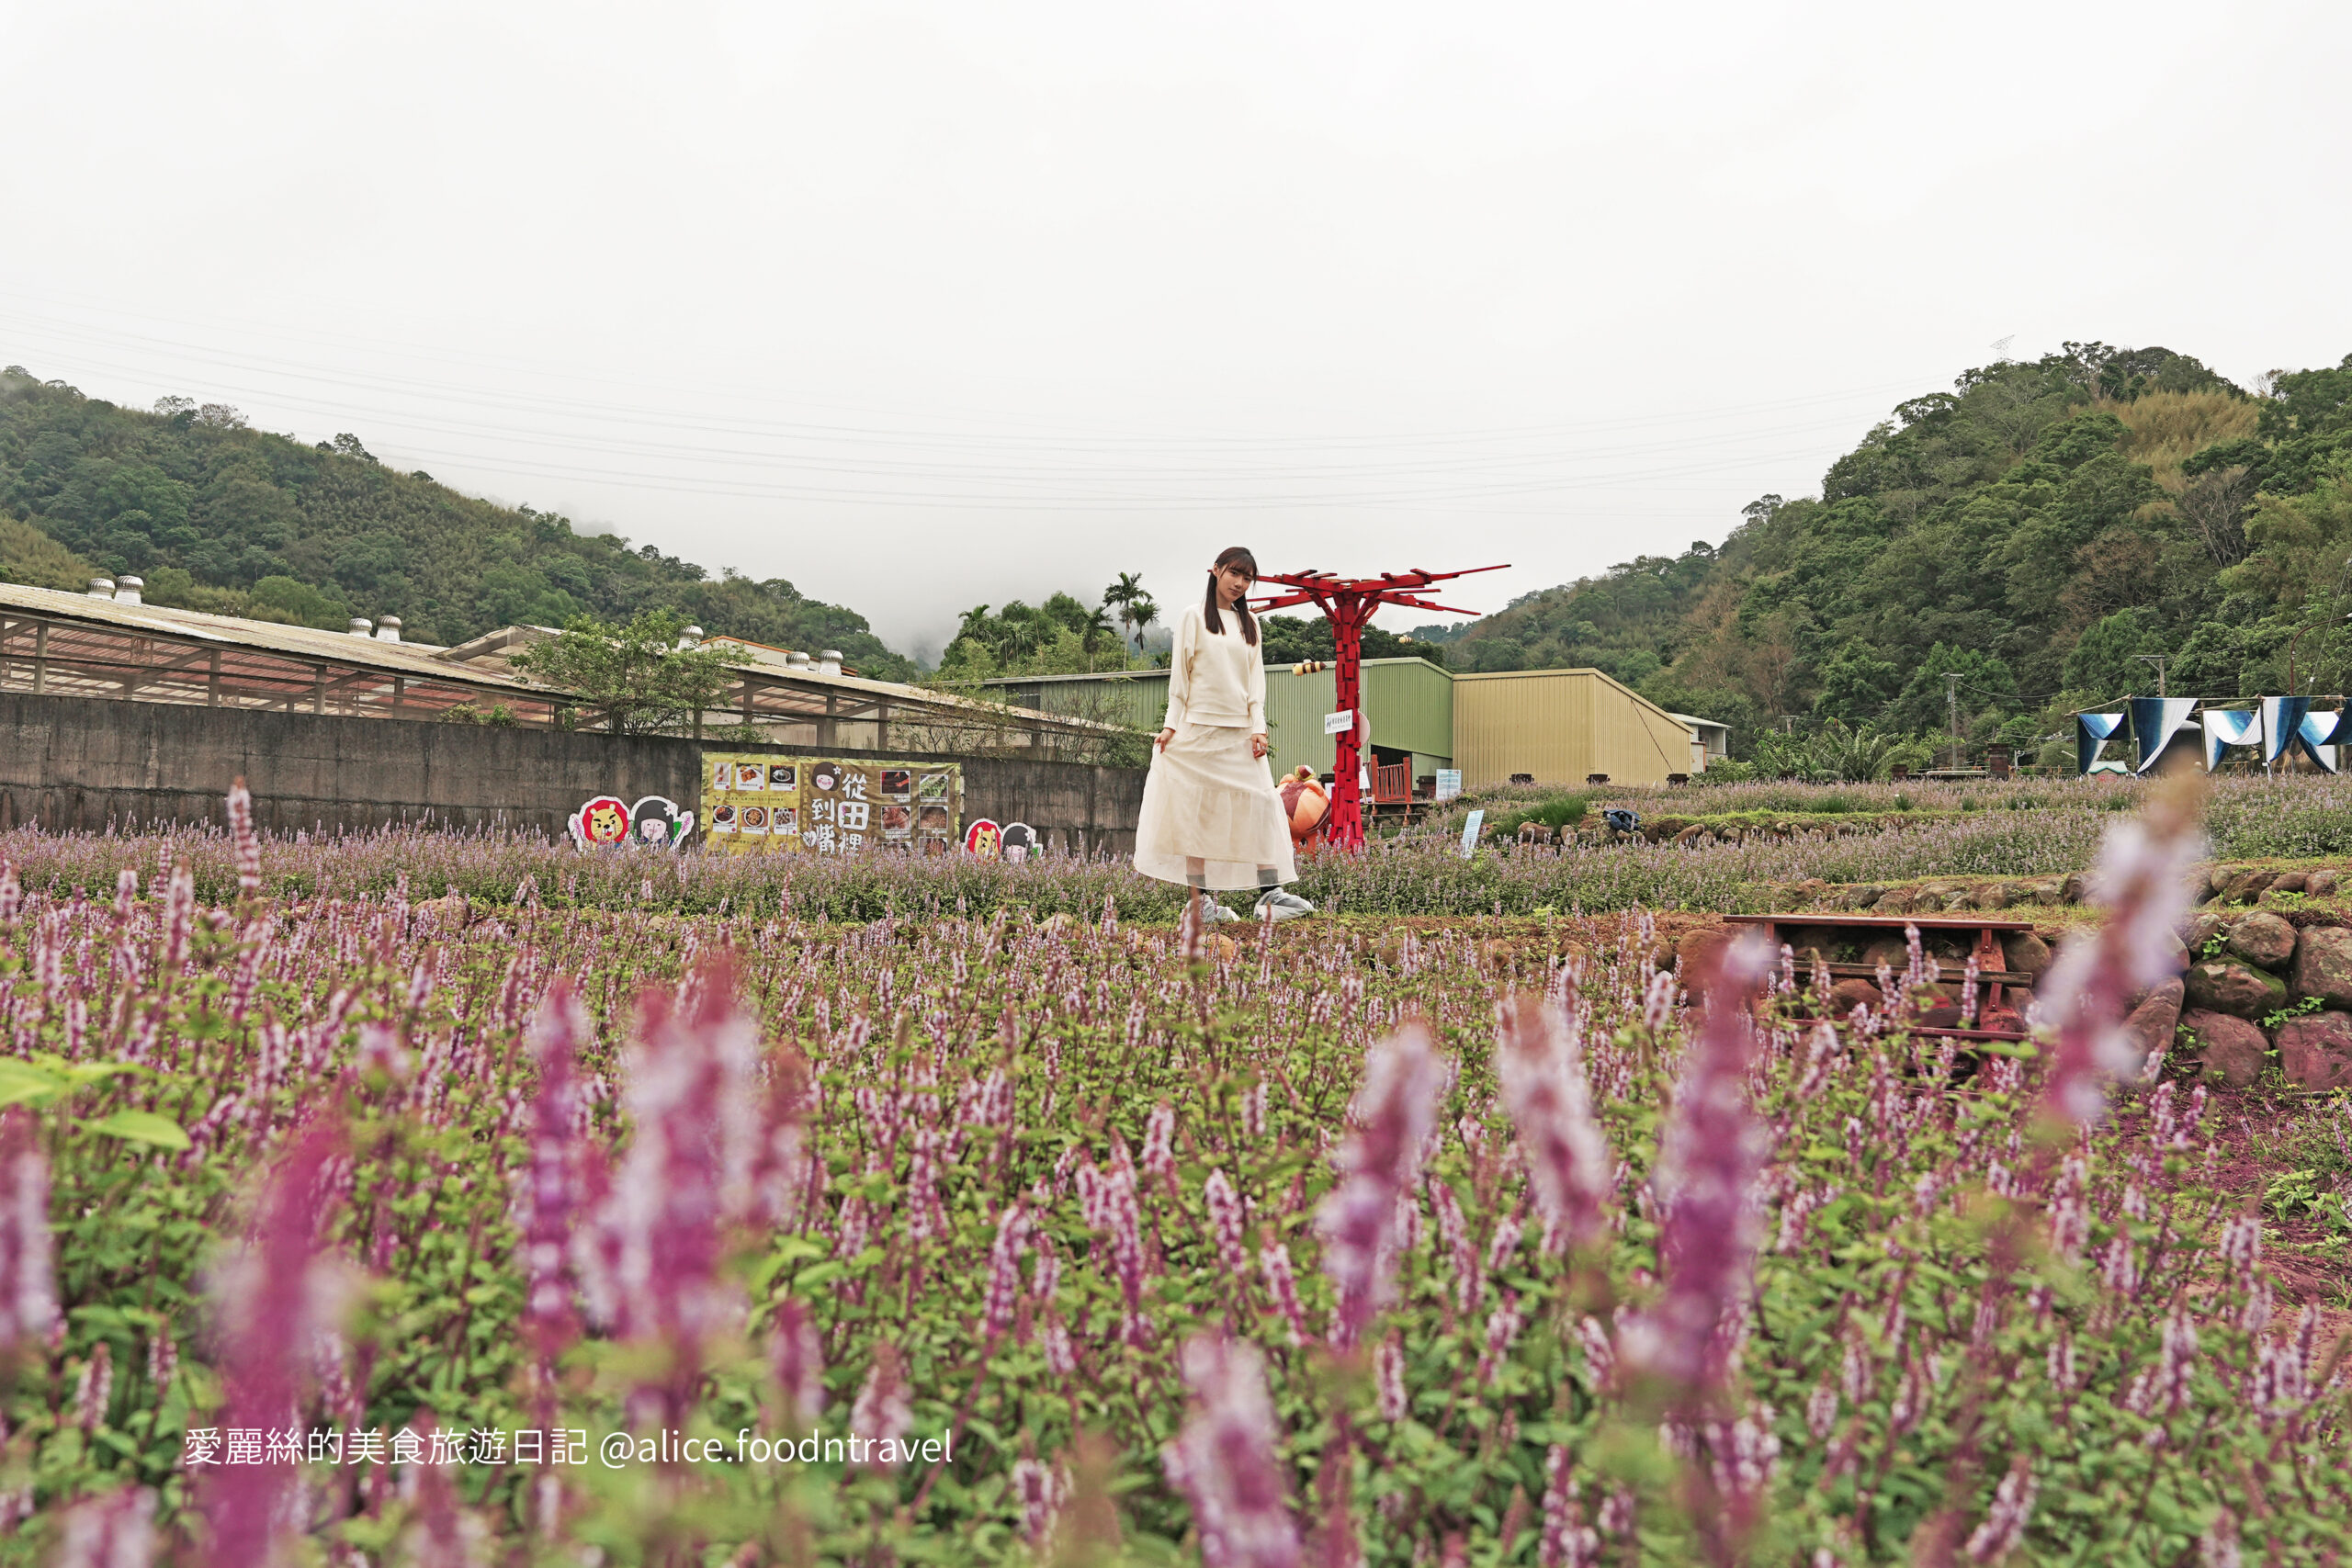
(1165, 736)
(1258, 746)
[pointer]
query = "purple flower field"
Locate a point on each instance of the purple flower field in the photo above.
(638, 1210)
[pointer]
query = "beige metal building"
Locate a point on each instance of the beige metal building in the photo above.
(1560, 726)
(1563, 726)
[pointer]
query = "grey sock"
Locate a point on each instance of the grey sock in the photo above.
(1266, 878)
(1198, 884)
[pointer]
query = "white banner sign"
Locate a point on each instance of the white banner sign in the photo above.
(1448, 783)
(1341, 722)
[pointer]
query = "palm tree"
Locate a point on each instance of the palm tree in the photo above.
(1140, 614)
(1124, 597)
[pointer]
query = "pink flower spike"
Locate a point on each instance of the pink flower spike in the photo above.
(27, 1285)
(883, 1412)
(115, 1529)
(1708, 1158)
(1224, 1460)
(1393, 1112)
(273, 1300)
(798, 1357)
(559, 1155)
(2141, 878)
(243, 840)
(1540, 1061)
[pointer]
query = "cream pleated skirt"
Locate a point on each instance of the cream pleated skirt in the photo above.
(1206, 796)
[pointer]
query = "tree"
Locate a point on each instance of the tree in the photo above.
(1127, 599)
(635, 676)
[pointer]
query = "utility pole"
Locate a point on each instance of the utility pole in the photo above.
(1952, 700)
(2161, 659)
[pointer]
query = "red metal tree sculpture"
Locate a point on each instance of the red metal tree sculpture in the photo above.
(1348, 603)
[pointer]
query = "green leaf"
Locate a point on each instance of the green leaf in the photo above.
(24, 1084)
(141, 1127)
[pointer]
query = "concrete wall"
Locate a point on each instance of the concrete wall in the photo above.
(76, 762)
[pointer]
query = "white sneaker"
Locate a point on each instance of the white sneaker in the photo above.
(1283, 905)
(1214, 913)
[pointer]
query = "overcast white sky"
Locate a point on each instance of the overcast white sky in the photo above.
(924, 307)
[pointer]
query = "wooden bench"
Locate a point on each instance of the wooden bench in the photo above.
(1983, 932)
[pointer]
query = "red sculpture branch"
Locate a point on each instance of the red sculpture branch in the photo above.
(1348, 603)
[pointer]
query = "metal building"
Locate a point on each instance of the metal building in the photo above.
(1558, 725)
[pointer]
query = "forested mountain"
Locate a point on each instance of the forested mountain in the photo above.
(218, 516)
(2035, 531)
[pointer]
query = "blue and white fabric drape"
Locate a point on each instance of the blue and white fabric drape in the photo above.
(2154, 722)
(2281, 717)
(2319, 736)
(2225, 728)
(2092, 732)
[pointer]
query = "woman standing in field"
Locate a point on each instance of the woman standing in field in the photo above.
(1210, 815)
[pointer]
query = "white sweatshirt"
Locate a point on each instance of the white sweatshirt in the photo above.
(1215, 678)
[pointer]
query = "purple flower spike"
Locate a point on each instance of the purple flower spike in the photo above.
(1540, 1060)
(2142, 877)
(27, 1285)
(798, 1357)
(1225, 1463)
(246, 842)
(559, 1155)
(116, 1530)
(1708, 1164)
(271, 1300)
(1393, 1111)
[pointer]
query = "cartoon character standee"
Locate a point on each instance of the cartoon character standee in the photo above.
(983, 839)
(601, 823)
(658, 823)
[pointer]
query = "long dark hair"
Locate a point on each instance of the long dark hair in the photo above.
(1239, 556)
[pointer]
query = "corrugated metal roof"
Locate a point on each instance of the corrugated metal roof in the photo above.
(308, 643)
(480, 663)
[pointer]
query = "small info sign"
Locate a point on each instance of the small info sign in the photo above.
(1470, 832)
(1339, 723)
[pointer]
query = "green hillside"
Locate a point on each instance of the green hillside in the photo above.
(2034, 530)
(217, 516)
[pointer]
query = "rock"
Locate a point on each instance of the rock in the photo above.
(1809, 943)
(2216, 878)
(2230, 1049)
(1893, 901)
(450, 913)
(2290, 882)
(2075, 888)
(2202, 929)
(2152, 1022)
(1220, 947)
(2179, 957)
(2322, 884)
(1990, 895)
(2219, 986)
(2323, 966)
(1847, 994)
(2315, 1050)
(1862, 897)
(2025, 953)
(2247, 887)
(1704, 947)
(2041, 890)
(1889, 949)
(2262, 938)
